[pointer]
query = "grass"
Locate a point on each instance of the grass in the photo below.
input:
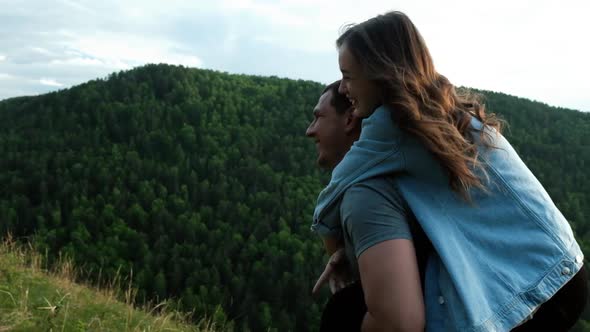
(33, 298)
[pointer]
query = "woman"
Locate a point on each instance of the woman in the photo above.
(504, 258)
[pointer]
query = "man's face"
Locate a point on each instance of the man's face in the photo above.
(329, 130)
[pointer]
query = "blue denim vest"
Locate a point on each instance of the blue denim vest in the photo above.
(495, 259)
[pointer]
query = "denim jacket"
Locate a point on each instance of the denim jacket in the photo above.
(496, 258)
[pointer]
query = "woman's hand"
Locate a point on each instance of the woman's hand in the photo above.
(337, 273)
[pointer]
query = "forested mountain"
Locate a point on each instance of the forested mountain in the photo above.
(200, 185)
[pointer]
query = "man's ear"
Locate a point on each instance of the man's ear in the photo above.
(353, 123)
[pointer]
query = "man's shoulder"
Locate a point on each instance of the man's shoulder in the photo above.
(381, 184)
(375, 192)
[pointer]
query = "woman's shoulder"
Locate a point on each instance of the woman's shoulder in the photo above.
(380, 126)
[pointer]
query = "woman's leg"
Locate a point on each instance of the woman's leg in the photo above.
(562, 311)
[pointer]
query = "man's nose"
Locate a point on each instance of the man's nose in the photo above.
(310, 130)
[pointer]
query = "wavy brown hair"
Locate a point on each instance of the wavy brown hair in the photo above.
(393, 54)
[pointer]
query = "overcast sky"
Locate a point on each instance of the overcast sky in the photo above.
(534, 49)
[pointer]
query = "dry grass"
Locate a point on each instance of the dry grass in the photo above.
(33, 298)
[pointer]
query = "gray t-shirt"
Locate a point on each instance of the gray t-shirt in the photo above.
(373, 211)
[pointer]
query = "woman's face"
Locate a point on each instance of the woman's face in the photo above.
(362, 93)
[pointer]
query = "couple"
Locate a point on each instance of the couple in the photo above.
(430, 212)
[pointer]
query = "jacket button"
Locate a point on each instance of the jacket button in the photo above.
(566, 271)
(579, 259)
(441, 300)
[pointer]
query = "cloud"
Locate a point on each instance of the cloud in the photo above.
(501, 45)
(71, 43)
(80, 61)
(42, 51)
(124, 51)
(50, 82)
(276, 13)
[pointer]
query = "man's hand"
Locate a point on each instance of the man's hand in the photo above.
(337, 273)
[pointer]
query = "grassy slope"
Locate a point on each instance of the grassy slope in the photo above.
(32, 299)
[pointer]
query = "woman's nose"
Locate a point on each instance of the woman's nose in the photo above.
(342, 88)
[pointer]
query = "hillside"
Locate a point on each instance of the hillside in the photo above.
(201, 185)
(34, 299)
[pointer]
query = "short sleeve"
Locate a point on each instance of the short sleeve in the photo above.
(373, 211)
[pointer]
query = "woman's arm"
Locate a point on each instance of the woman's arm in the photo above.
(332, 244)
(336, 272)
(391, 284)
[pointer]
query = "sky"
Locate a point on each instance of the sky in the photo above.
(533, 49)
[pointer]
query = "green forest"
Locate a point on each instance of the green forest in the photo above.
(199, 186)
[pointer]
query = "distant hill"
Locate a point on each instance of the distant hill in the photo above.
(201, 185)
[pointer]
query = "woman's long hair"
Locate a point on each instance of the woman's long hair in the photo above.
(393, 54)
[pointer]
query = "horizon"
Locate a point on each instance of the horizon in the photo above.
(105, 78)
(517, 52)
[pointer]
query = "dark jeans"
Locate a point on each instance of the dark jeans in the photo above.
(562, 311)
(345, 309)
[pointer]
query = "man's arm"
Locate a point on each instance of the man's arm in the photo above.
(391, 284)
(376, 219)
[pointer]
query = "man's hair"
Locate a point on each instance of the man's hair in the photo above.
(338, 100)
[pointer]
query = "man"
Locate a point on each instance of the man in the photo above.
(374, 237)
(334, 129)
